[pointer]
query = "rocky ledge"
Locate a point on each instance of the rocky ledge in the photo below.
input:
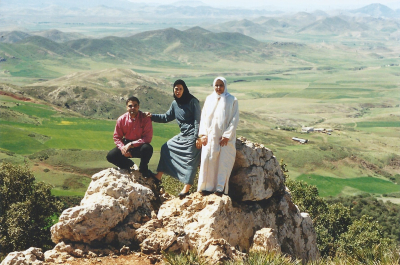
(124, 211)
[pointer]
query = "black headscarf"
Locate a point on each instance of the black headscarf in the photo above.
(186, 96)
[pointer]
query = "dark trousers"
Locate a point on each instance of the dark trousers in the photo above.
(144, 152)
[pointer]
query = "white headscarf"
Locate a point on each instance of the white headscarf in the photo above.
(214, 97)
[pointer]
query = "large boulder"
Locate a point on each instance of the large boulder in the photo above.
(190, 224)
(115, 204)
(257, 215)
(256, 174)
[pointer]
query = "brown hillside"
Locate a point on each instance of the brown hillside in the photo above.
(102, 94)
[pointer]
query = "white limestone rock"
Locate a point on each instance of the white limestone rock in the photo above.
(31, 256)
(190, 224)
(112, 204)
(266, 239)
(256, 174)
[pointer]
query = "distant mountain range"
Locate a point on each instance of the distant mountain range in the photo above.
(59, 10)
(168, 44)
(377, 10)
(317, 22)
(123, 18)
(54, 35)
(126, 12)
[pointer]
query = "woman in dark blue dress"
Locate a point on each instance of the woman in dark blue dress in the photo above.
(179, 156)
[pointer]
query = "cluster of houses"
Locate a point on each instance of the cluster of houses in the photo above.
(312, 129)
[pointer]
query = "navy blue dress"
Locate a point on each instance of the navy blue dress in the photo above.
(179, 156)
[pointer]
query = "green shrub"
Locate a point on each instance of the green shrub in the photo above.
(387, 214)
(365, 241)
(270, 258)
(330, 225)
(62, 93)
(69, 201)
(183, 259)
(43, 154)
(330, 221)
(26, 210)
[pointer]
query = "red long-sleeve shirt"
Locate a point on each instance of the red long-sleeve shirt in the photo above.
(139, 130)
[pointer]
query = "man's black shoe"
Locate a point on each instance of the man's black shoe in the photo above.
(149, 174)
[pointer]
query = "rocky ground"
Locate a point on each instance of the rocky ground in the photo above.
(134, 258)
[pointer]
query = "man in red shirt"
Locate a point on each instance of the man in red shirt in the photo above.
(132, 136)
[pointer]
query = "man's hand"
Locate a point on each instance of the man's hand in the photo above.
(125, 150)
(224, 141)
(148, 114)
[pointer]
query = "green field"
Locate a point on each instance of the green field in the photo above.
(64, 151)
(329, 186)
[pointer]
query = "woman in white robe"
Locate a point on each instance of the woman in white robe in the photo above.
(218, 123)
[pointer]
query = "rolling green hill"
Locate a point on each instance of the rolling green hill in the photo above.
(335, 25)
(59, 36)
(102, 94)
(45, 47)
(13, 36)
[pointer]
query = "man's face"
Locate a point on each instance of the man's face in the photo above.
(133, 108)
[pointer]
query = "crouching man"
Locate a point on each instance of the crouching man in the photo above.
(132, 136)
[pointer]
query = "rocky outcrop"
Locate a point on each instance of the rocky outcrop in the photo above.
(258, 214)
(121, 208)
(32, 256)
(114, 205)
(256, 174)
(191, 223)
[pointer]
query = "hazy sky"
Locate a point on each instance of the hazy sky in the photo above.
(303, 4)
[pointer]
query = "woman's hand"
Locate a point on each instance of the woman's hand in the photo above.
(198, 143)
(224, 141)
(204, 140)
(148, 114)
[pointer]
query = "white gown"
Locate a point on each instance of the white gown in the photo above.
(216, 161)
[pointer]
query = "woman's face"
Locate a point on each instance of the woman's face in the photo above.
(178, 91)
(219, 87)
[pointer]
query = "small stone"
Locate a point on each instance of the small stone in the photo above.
(124, 250)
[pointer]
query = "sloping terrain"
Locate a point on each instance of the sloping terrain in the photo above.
(102, 94)
(13, 36)
(53, 34)
(59, 36)
(169, 44)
